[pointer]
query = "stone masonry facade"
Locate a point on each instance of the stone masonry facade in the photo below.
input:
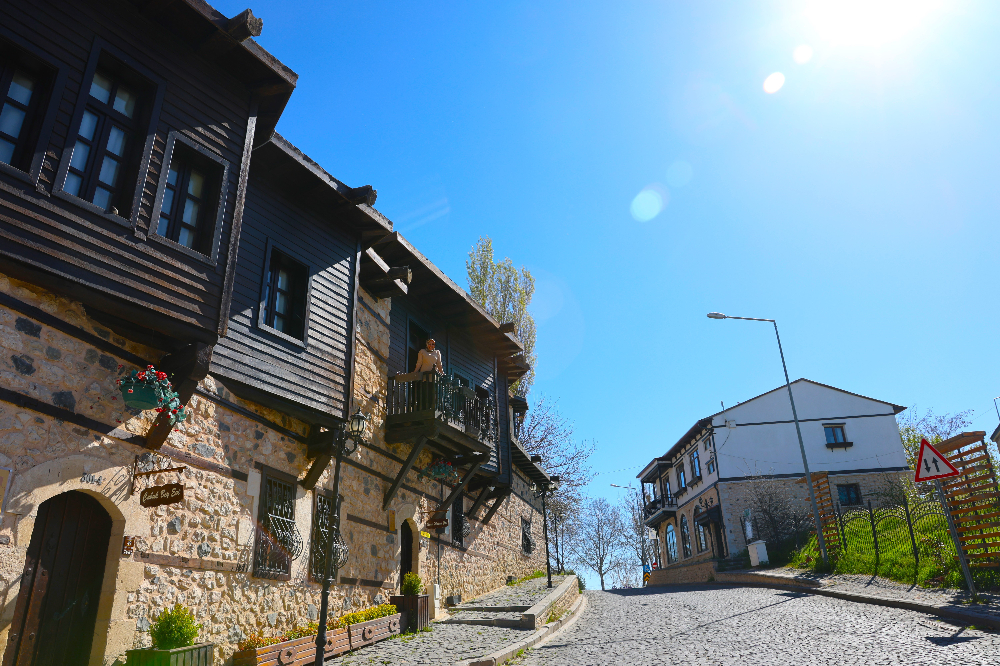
(216, 521)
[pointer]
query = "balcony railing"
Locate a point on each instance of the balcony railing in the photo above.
(658, 503)
(447, 400)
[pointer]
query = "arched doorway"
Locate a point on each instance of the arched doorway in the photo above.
(405, 549)
(61, 585)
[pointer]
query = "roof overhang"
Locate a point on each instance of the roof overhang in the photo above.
(521, 458)
(651, 471)
(435, 291)
(666, 513)
(291, 171)
(227, 43)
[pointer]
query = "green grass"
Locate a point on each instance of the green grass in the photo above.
(531, 576)
(937, 565)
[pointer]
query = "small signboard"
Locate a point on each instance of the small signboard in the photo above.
(436, 523)
(160, 495)
(931, 464)
(426, 535)
(645, 578)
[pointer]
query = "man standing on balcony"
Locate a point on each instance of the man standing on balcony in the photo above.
(428, 360)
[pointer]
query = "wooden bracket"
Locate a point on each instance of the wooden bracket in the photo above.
(407, 466)
(496, 505)
(457, 490)
(186, 367)
(480, 501)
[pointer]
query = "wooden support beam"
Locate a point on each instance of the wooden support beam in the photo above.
(186, 367)
(457, 490)
(480, 501)
(318, 446)
(316, 470)
(496, 506)
(407, 466)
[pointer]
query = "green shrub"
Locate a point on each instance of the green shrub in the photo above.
(372, 613)
(174, 628)
(531, 576)
(411, 584)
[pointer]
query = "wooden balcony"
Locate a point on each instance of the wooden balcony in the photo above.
(659, 509)
(452, 417)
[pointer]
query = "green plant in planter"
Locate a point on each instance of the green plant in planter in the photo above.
(150, 389)
(411, 584)
(174, 628)
(441, 470)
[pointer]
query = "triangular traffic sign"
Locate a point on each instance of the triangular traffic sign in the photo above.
(932, 465)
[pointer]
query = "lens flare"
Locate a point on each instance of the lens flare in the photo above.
(649, 203)
(802, 54)
(773, 83)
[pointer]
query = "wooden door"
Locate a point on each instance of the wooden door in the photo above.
(61, 585)
(405, 550)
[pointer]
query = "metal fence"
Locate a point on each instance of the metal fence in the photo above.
(897, 537)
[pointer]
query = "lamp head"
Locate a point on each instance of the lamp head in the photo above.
(716, 315)
(553, 484)
(356, 426)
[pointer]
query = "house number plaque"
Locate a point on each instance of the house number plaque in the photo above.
(160, 495)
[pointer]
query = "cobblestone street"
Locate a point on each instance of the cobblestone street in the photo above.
(719, 625)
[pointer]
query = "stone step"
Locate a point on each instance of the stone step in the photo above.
(491, 609)
(512, 623)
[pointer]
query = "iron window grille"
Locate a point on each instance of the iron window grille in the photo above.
(323, 521)
(278, 542)
(103, 155)
(458, 522)
(286, 290)
(527, 543)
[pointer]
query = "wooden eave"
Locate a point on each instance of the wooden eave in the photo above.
(436, 292)
(206, 30)
(522, 460)
(292, 172)
(449, 441)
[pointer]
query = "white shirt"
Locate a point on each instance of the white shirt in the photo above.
(429, 360)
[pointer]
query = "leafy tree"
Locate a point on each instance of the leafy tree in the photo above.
(935, 428)
(505, 293)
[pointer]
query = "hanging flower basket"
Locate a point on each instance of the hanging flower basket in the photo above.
(441, 470)
(150, 389)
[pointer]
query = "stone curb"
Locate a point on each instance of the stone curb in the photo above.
(536, 637)
(529, 618)
(965, 617)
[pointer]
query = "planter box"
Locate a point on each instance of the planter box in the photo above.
(194, 655)
(302, 651)
(415, 609)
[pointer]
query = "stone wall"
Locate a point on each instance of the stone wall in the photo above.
(695, 571)
(216, 520)
(734, 495)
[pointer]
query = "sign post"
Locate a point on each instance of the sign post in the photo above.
(933, 466)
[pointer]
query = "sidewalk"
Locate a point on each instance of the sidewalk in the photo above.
(955, 605)
(460, 637)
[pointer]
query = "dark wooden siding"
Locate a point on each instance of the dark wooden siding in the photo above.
(460, 354)
(53, 235)
(314, 376)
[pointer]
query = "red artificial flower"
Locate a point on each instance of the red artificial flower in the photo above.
(142, 375)
(130, 390)
(161, 375)
(149, 367)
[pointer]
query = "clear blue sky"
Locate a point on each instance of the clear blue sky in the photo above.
(857, 205)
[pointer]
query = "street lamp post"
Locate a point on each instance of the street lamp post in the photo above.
(798, 430)
(345, 443)
(543, 491)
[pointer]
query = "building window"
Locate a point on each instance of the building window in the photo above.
(321, 523)
(20, 92)
(685, 537)
(835, 436)
(849, 494)
(695, 465)
(671, 542)
(278, 541)
(286, 289)
(701, 538)
(710, 465)
(190, 199)
(416, 340)
(102, 160)
(681, 481)
(527, 543)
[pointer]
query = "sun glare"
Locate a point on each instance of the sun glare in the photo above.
(773, 83)
(868, 22)
(802, 54)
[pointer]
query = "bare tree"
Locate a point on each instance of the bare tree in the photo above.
(636, 534)
(563, 531)
(776, 515)
(600, 538)
(549, 434)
